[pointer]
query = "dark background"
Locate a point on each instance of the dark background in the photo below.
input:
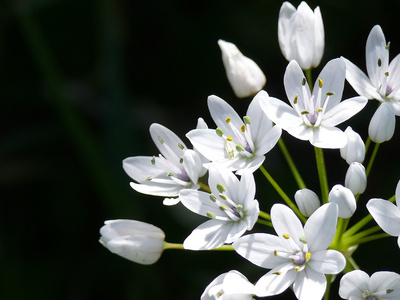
(81, 82)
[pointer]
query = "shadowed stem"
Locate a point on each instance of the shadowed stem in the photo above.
(291, 164)
(323, 179)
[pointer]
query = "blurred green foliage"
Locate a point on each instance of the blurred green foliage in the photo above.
(81, 82)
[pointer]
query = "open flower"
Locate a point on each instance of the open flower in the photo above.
(301, 34)
(387, 214)
(297, 256)
(314, 116)
(229, 286)
(244, 75)
(236, 144)
(175, 169)
(231, 208)
(357, 285)
(382, 84)
(137, 241)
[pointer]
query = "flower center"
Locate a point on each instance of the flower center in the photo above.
(299, 258)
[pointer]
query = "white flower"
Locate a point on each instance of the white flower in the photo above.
(231, 208)
(356, 178)
(313, 117)
(382, 83)
(229, 286)
(137, 241)
(297, 256)
(345, 200)
(354, 151)
(301, 34)
(357, 285)
(175, 169)
(236, 144)
(244, 75)
(307, 201)
(387, 214)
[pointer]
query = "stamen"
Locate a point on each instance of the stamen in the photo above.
(227, 120)
(386, 74)
(275, 252)
(240, 148)
(277, 273)
(213, 198)
(330, 93)
(388, 291)
(246, 120)
(243, 128)
(303, 83)
(181, 146)
(219, 132)
(379, 62)
(153, 161)
(211, 215)
(170, 174)
(181, 160)
(303, 239)
(295, 99)
(308, 256)
(320, 83)
(223, 207)
(148, 178)
(319, 110)
(305, 112)
(229, 149)
(229, 139)
(286, 236)
(296, 268)
(161, 140)
(220, 188)
(387, 47)
(239, 208)
(222, 196)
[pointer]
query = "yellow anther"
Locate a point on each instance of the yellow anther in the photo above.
(297, 268)
(227, 120)
(308, 256)
(320, 83)
(286, 236)
(305, 112)
(229, 139)
(319, 109)
(243, 128)
(276, 252)
(277, 273)
(295, 99)
(379, 62)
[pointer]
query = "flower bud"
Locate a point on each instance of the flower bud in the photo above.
(356, 178)
(381, 126)
(301, 34)
(354, 151)
(307, 201)
(137, 241)
(345, 200)
(244, 75)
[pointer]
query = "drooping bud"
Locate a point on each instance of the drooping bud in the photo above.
(307, 201)
(244, 75)
(354, 151)
(381, 126)
(356, 178)
(345, 200)
(137, 241)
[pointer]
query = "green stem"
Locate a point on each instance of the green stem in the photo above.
(328, 286)
(369, 239)
(323, 179)
(291, 164)
(309, 78)
(282, 194)
(353, 240)
(263, 222)
(265, 215)
(336, 243)
(356, 227)
(371, 160)
(367, 143)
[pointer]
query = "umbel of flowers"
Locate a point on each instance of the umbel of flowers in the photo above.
(314, 242)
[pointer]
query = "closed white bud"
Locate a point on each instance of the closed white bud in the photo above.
(345, 200)
(354, 151)
(307, 201)
(137, 241)
(244, 75)
(356, 178)
(381, 126)
(301, 34)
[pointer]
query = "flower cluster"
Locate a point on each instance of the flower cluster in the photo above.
(314, 243)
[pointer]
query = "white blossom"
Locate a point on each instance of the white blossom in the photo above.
(356, 178)
(307, 201)
(354, 151)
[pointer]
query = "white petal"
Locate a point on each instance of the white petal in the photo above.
(241, 163)
(284, 28)
(328, 138)
(218, 175)
(320, 228)
(360, 82)
(236, 283)
(246, 190)
(209, 235)
(208, 143)
(309, 285)
(382, 124)
(307, 201)
(394, 76)
(375, 50)
(140, 168)
(354, 151)
(301, 132)
(169, 144)
(353, 284)
(386, 214)
(293, 80)
(192, 165)
(319, 41)
(343, 111)
(345, 200)
(356, 178)
(171, 201)
(327, 261)
(259, 249)
(220, 111)
(397, 194)
(384, 280)
(268, 141)
(286, 222)
(170, 189)
(273, 284)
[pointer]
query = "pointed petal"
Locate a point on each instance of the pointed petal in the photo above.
(285, 27)
(220, 111)
(192, 164)
(386, 214)
(208, 143)
(375, 51)
(328, 138)
(258, 248)
(273, 284)
(236, 283)
(247, 189)
(394, 76)
(343, 111)
(140, 168)
(293, 79)
(218, 175)
(209, 235)
(320, 228)
(353, 284)
(281, 113)
(327, 261)
(268, 140)
(166, 189)
(169, 144)
(285, 222)
(360, 81)
(309, 285)
(319, 37)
